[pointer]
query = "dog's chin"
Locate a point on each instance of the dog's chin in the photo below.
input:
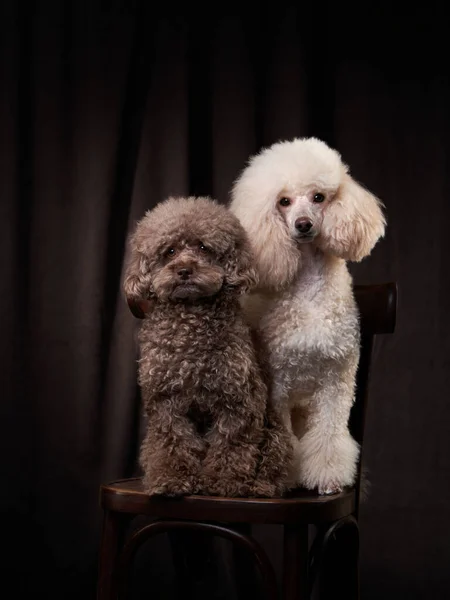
(191, 292)
(305, 238)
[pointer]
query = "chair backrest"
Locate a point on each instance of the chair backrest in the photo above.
(378, 312)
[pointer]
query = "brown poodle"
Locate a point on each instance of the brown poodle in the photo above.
(210, 428)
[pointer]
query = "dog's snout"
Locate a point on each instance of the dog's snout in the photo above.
(303, 225)
(185, 272)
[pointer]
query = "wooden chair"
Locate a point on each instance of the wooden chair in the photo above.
(334, 552)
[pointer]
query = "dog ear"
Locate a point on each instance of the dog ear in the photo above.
(137, 282)
(240, 270)
(277, 257)
(353, 222)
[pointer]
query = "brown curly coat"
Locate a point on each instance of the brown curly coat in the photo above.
(210, 427)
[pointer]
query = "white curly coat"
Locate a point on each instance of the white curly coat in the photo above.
(306, 217)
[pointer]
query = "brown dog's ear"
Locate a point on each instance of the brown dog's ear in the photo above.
(139, 308)
(353, 222)
(137, 283)
(240, 271)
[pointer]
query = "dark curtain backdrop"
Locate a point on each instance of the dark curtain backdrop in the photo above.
(108, 107)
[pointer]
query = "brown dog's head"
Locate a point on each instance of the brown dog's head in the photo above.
(186, 249)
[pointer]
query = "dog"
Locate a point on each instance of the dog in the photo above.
(306, 217)
(210, 427)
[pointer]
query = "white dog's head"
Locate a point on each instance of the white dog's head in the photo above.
(299, 192)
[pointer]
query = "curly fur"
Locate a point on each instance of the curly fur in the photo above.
(210, 429)
(305, 217)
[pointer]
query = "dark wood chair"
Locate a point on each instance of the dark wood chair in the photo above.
(334, 552)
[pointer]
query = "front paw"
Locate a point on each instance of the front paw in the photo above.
(265, 489)
(170, 486)
(329, 489)
(227, 487)
(328, 463)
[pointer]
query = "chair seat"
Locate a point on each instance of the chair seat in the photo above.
(299, 506)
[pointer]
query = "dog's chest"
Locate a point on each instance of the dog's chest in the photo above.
(179, 340)
(299, 327)
(296, 324)
(190, 355)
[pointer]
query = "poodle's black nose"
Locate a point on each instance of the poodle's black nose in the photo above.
(185, 272)
(303, 225)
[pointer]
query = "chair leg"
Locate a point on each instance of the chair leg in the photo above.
(246, 578)
(295, 562)
(339, 575)
(109, 550)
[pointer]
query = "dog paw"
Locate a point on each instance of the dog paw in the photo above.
(328, 464)
(227, 488)
(264, 489)
(171, 487)
(329, 489)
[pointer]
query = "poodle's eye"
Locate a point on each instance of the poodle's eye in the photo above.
(319, 197)
(170, 252)
(284, 202)
(202, 247)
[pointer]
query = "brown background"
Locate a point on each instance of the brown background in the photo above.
(108, 107)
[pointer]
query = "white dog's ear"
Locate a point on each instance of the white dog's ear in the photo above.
(277, 258)
(353, 222)
(240, 269)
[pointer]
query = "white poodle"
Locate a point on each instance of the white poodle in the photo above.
(306, 217)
